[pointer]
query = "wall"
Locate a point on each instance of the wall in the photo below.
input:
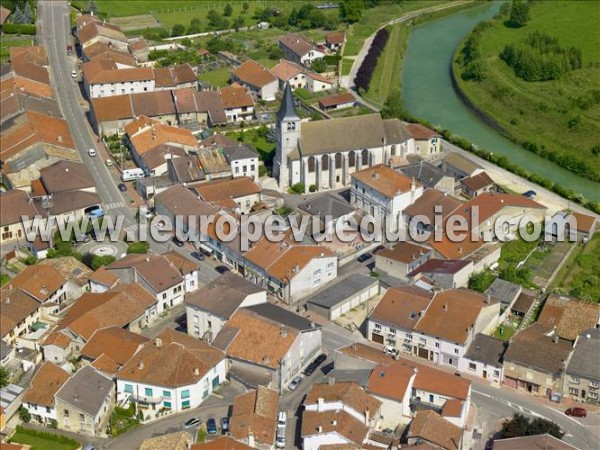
(316, 441)
(306, 281)
(41, 414)
(90, 425)
(247, 167)
(477, 368)
(119, 88)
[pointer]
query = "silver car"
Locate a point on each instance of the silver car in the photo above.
(294, 383)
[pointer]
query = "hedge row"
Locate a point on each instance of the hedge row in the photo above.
(19, 28)
(366, 69)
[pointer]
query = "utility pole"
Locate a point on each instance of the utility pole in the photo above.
(47, 204)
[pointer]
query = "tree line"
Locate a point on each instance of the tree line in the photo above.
(366, 69)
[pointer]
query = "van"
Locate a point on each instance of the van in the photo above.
(92, 152)
(132, 174)
(280, 436)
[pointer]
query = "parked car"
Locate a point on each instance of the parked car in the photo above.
(211, 426)
(198, 255)
(225, 425)
(389, 350)
(222, 269)
(282, 418)
(122, 187)
(73, 74)
(177, 242)
(191, 423)
(364, 257)
(529, 194)
(280, 436)
(109, 163)
(295, 383)
(89, 447)
(576, 412)
(320, 359)
(310, 369)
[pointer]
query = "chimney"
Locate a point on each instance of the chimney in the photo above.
(488, 299)
(334, 422)
(587, 336)
(250, 439)
(66, 169)
(140, 364)
(59, 138)
(331, 380)
(555, 339)
(158, 342)
(319, 429)
(367, 417)
(283, 332)
(196, 371)
(8, 302)
(320, 404)
(445, 306)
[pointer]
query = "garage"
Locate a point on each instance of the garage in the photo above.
(377, 338)
(342, 295)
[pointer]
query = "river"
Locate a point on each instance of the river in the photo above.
(428, 93)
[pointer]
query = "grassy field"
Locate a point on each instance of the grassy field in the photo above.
(43, 441)
(217, 77)
(547, 113)
(580, 276)
(6, 43)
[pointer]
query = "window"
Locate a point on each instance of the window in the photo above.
(164, 296)
(330, 266)
(409, 337)
(148, 392)
(437, 345)
(237, 170)
(167, 394)
(253, 167)
(48, 409)
(593, 395)
(66, 413)
(422, 340)
(456, 351)
(81, 417)
(574, 380)
(185, 394)
(167, 405)
(392, 331)
(316, 282)
(574, 391)
(185, 404)
(317, 272)
(594, 384)
(472, 366)
(129, 388)
(377, 326)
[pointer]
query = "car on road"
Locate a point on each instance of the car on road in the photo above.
(225, 425)
(222, 269)
(320, 359)
(295, 383)
(364, 257)
(177, 242)
(122, 187)
(92, 152)
(211, 426)
(576, 412)
(310, 369)
(88, 447)
(109, 163)
(198, 255)
(73, 74)
(529, 194)
(191, 423)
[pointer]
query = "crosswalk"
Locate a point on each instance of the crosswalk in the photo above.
(114, 205)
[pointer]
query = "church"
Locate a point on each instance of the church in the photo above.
(325, 153)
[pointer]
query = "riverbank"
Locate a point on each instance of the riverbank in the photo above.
(557, 119)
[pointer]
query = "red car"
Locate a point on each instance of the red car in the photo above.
(576, 412)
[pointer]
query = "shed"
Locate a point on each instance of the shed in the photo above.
(343, 295)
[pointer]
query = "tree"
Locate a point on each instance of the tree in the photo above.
(392, 108)
(228, 10)
(17, 15)
(24, 415)
(178, 30)
(91, 7)
(351, 10)
(245, 7)
(194, 27)
(99, 261)
(319, 65)
(4, 376)
(519, 13)
(520, 425)
(27, 14)
(238, 23)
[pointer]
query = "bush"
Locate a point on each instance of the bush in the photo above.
(298, 188)
(313, 188)
(138, 247)
(24, 414)
(99, 261)
(19, 28)
(262, 171)
(366, 69)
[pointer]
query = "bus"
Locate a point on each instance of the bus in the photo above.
(132, 174)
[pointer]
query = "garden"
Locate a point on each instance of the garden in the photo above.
(42, 440)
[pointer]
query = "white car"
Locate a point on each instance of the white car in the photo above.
(74, 74)
(92, 152)
(389, 350)
(295, 383)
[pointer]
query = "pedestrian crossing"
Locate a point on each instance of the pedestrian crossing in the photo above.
(114, 205)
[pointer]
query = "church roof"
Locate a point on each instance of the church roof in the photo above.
(287, 109)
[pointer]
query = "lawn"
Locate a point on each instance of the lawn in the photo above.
(217, 77)
(266, 150)
(7, 42)
(560, 116)
(505, 331)
(581, 275)
(122, 420)
(43, 441)
(4, 279)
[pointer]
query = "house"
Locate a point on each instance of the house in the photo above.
(10, 401)
(240, 193)
(268, 345)
(477, 184)
(524, 303)
(325, 211)
(429, 210)
(299, 77)
(570, 317)
(139, 49)
(64, 176)
(431, 177)
(85, 402)
(237, 102)
(337, 101)
(19, 312)
(76, 274)
(44, 284)
(446, 274)
(177, 203)
(181, 76)
(91, 29)
(221, 443)
(243, 160)
(174, 371)
(343, 295)
(545, 441)
(15, 204)
(484, 358)
(327, 152)
(504, 291)
(198, 108)
(384, 194)
(217, 140)
(113, 344)
(228, 58)
(156, 274)
(535, 361)
(178, 440)
(460, 166)
(102, 79)
(29, 70)
(574, 226)
(288, 270)
(335, 41)
(4, 13)
(186, 267)
(102, 280)
(34, 141)
(108, 56)
(428, 427)
(582, 377)
(254, 418)
(401, 259)
(338, 414)
(209, 308)
(39, 396)
(427, 142)
(298, 49)
(257, 78)
(392, 384)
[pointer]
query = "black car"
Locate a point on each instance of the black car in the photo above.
(529, 194)
(211, 426)
(364, 257)
(177, 242)
(122, 187)
(320, 359)
(198, 255)
(222, 269)
(310, 369)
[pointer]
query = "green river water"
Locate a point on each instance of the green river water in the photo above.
(428, 93)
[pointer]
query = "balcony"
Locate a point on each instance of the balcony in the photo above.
(147, 400)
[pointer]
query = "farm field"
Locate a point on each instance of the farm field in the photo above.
(560, 116)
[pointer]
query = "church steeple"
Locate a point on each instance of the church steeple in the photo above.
(287, 110)
(287, 134)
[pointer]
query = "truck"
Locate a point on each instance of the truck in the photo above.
(132, 174)
(69, 50)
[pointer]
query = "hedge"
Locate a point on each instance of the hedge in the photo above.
(19, 28)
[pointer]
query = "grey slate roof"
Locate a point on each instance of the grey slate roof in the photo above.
(5, 349)
(585, 361)
(395, 132)
(282, 316)
(225, 337)
(223, 296)
(341, 290)
(441, 266)
(487, 349)
(359, 376)
(239, 151)
(503, 290)
(425, 173)
(327, 205)
(287, 110)
(86, 390)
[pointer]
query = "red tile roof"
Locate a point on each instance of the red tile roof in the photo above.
(253, 73)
